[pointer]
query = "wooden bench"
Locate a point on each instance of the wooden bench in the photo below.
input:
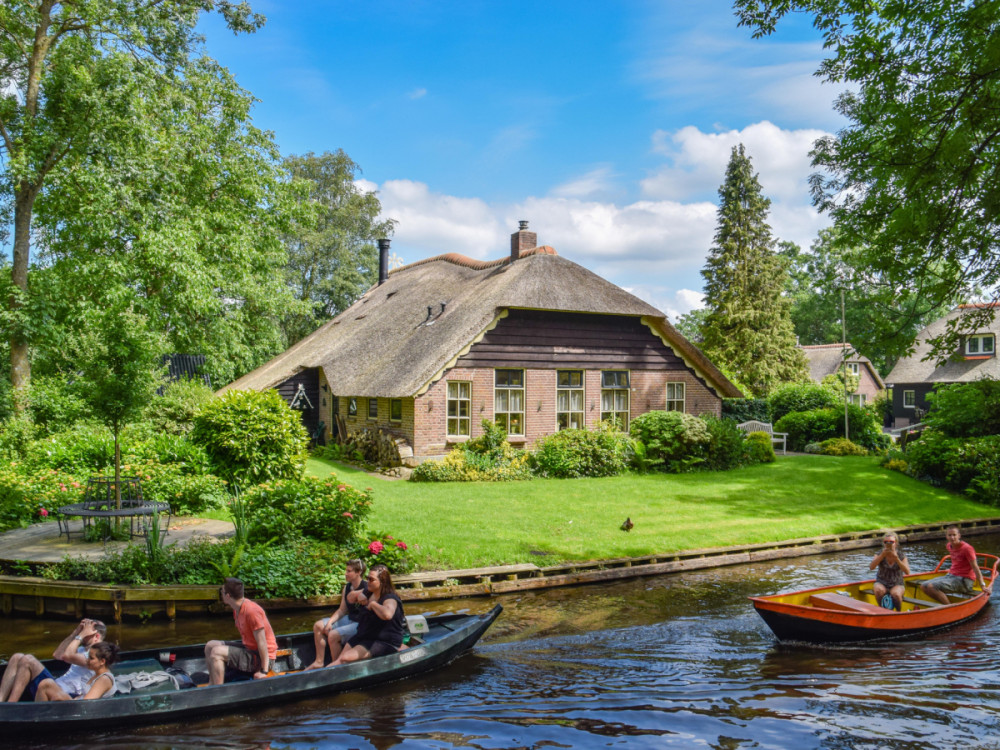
(844, 603)
(754, 426)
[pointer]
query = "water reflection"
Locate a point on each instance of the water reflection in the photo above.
(672, 662)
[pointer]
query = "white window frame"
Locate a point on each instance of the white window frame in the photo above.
(616, 400)
(456, 397)
(910, 396)
(568, 393)
(503, 398)
(977, 345)
(858, 399)
(675, 402)
(854, 368)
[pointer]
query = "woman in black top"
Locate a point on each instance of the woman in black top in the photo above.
(380, 630)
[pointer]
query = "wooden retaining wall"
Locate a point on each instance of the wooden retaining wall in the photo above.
(75, 599)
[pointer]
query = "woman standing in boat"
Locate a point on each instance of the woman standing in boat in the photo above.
(380, 630)
(892, 566)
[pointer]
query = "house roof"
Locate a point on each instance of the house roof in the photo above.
(825, 359)
(402, 335)
(913, 369)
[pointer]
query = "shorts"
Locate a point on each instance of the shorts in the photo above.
(33, 685)
(345, 626)
(241, 658)
(952, 584)
(376, 648)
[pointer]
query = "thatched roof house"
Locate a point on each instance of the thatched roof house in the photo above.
(915, 376)
(827, 359)
(507, 330)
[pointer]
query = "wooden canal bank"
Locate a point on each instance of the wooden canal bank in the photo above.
(75, 599)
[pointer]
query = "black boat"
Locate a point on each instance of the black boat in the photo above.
(445, 638)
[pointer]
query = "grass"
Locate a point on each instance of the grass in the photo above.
(464, 525)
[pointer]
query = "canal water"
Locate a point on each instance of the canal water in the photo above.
(677, 661)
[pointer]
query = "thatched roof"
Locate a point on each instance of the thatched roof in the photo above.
(388, 345)
(825, 359)
(913, 369)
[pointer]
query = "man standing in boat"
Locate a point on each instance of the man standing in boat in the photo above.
(255, 653)
(964, 571)
(25, 671)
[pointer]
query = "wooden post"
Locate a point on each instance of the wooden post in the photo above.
(172, 610)
(39, 606)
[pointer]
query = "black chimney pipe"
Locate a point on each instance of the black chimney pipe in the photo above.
(383, 261)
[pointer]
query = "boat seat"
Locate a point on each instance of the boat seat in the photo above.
(844, 603)
(915, 602)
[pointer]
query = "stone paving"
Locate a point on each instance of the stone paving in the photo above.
(42, 543)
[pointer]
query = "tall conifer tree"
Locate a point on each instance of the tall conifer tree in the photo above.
(748, 328)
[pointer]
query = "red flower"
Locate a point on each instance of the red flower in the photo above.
(401, 545)
(375, 547)
(341, 487)
(348, 514)
(42, 512)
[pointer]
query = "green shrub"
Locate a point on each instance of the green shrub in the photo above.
(841, 447)
(813, 448)
(252, 437)
(759, 448)
(794, 397)
(85, 449)
(970, 465)
(177, 450)
(299, 569)
(745, 409)
(16, 435)
(56, 402)
(965, 409)
(822, 424)
(386, 550)
(31, 496)
(322, 509)
(602, 452)
(174, 411)
(727, 448)
(674, 441)
(488, 458)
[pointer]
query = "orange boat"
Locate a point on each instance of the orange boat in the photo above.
(849, 613)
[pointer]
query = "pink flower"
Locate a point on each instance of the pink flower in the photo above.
(341, 487)
(388, 537)
(42, 512)
(401, 545)
(375, 547)
(347, 514)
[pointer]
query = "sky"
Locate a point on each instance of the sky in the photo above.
(607, 125)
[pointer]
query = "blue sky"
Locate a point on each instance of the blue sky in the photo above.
(606, 124)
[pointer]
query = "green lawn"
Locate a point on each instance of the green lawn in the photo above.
(464, 525)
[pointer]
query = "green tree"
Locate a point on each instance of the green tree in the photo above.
(70, 72)
(119, 365)
(332, 254)
(747, 328)
(690, 325)
(912, 180)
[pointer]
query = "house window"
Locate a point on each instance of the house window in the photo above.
(352, 407)
(508, 400)
(675, 397)
(909, 399)
(980, 345)
(459, 408)
(854, 368)
(396, 410)
(373, 408)
(858, 399)
(614, 397)
(569, 399)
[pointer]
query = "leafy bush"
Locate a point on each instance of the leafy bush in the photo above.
(822, 424)
(56, 402)
(16, 436)
(386, 550)
(745, 409)
(176, 450)
(318, 508)
(601, 452)
(965, 409)
(841, 447)
(794, 397)
(813, 448)
(727, 449)
(28, 497)
(85, 449)
(759, 448)
(970, 465)
(252, 437)
(174, 411)
(488, 458)
(299, 569)
(673, 440)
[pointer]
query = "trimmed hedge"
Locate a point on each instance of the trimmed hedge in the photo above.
(794, 397)
(745, 409)
(818, 425)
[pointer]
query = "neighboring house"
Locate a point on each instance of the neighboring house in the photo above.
(827, 359)
(532, 341)
(913, 378)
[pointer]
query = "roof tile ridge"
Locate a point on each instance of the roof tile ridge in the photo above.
(477, 265)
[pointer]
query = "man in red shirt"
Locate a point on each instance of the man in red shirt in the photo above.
(963, 574)
(255, 653)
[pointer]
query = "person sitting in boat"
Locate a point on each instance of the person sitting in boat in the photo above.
(380, 630)
(335, 630)
(100, 657)
(892, 566)
(963, 574)
(254, 653)
(26, 671)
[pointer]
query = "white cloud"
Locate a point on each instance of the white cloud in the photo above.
(595, 182)
(417, 93)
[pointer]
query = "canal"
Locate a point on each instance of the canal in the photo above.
(678, 661)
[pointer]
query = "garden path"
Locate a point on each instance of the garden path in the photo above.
(42, 543)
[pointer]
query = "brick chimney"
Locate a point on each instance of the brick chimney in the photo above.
(522, 240)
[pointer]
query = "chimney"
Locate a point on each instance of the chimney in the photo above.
(522, 240)
(383, 261)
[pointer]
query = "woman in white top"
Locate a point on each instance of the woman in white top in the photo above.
(102, 685)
